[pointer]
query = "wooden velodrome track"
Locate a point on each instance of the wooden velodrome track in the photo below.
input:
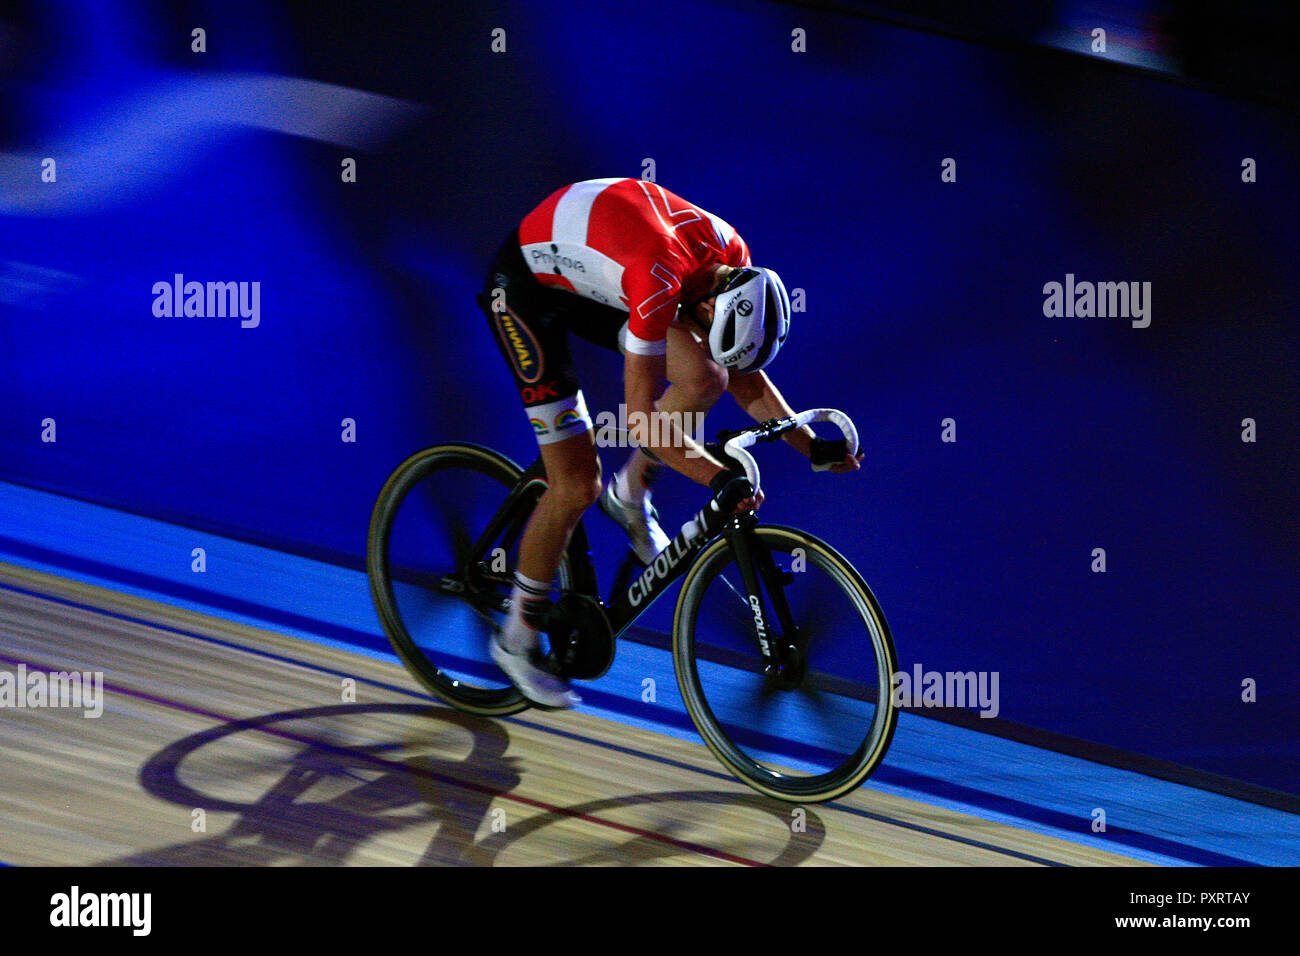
(221, 743)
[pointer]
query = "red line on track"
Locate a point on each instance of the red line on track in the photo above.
(442, 778)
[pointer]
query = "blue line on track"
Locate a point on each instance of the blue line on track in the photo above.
(571, 735)
(886, 774)
(195, 596)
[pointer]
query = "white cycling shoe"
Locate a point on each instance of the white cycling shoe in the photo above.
(641, 522)
(539, 686)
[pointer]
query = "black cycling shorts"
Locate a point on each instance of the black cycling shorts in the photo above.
(533, 336)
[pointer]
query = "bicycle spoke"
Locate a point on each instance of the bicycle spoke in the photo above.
(461, 541)
(738, 592)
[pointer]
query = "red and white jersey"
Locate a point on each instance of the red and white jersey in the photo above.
(630, 244)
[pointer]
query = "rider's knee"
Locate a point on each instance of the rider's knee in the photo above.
(576, 493)
(590, 487)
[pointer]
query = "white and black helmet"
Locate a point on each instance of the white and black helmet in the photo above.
(751, 318)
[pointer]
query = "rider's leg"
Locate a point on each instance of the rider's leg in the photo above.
(573, 484)
(529, 324)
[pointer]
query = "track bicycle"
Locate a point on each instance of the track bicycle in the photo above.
(781, 652)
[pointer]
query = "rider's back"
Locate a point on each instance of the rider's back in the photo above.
(630, 244)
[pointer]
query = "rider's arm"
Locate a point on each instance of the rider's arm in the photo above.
(645, 377)
(758, 396)
(755, 393)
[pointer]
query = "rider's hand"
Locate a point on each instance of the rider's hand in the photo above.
(823, 455)
(850, 463)
(725, 476)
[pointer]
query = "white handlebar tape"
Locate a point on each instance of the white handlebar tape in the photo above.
(835, 417)
(735, 447)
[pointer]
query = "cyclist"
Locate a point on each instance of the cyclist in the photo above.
(627, 265)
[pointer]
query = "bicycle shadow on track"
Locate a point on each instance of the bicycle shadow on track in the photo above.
(312, 786)
(648, 846)
(359, 791)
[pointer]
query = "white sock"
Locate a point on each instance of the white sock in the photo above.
(632, 483)
(527, 599)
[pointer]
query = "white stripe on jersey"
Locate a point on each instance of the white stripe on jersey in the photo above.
(591, 273)
(629, 341)
(573, 211)
(721, 228)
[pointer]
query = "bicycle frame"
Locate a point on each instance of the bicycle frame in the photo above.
(622, 610)
(783, 656)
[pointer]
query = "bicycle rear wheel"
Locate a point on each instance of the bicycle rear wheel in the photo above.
(440, 582)
(821, 738)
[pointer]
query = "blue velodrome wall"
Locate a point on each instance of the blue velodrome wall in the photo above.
(924, 302)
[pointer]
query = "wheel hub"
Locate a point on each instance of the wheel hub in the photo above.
(788, 673)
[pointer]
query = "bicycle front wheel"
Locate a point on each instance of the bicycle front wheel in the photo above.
(822, 737)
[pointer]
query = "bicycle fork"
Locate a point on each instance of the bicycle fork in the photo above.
(782, 650)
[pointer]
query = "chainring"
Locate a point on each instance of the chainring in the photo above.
(582, 642)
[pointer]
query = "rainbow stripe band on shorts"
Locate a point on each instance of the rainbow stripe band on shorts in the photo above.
(558, 420)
